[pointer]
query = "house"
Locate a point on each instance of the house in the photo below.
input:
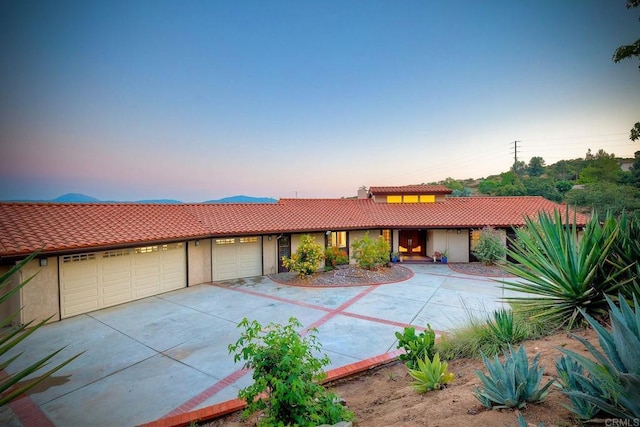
(99, 255)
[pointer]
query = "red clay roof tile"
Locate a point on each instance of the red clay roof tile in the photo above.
(25, 227)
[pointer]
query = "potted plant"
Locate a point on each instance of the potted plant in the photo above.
(443, 256)
(395, 256)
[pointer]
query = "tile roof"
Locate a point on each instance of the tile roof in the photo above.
(411, 189)
(25, 227)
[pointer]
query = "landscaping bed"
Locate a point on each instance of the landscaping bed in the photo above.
(347, 275)
(384, 397)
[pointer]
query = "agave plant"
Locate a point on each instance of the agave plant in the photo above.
(561, 271)
(571, 377)
(511, 384)
(9, 385)
(504, 327)
(431, 374)
(626, 252)
(616, 369)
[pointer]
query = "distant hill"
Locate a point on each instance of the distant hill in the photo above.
(83, 198)
(243, 199)
(75, 198)
(160, 201)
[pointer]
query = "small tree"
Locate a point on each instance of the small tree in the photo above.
(286, 375)
(490, 248)
(307, 258)
(370, 253)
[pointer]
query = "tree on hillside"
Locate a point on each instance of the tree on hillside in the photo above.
(630, 51)
(536, 186)
(633, 177)
(601, 167)
(565, 170)
(606, 196)
(536, 166)
(519, 168)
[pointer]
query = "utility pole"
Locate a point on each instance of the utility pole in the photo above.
(515, 156)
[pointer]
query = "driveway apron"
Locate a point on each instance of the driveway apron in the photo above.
(167, 354)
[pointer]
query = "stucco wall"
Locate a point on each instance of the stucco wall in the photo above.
(40, 297)
(269, 255)
(199, 262)
(6, 308)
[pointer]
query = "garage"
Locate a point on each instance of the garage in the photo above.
(96, 280)
(237, 257)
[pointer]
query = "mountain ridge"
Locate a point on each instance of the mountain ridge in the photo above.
(83, 198)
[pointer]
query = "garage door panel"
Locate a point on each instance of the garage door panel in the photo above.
(89, 282)
(236, 258)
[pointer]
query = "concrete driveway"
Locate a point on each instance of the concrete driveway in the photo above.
(167, 355)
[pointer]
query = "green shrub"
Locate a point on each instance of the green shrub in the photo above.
(285, 375)
(307, 258)
(334, 257)
(613, 380)
(489, 248)
(430, 374)
(417, 347)
(562, 272)
(370, 253)
(10, 337)
(511, 384)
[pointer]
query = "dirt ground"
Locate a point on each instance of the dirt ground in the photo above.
(384, 397)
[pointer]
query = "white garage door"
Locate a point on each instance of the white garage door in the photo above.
(97, 280)
(237, 257)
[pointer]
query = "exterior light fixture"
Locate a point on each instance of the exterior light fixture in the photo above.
(43, 262)
(197, 243)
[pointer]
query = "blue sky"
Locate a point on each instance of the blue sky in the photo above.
(197, 100)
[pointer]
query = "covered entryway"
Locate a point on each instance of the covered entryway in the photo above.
(96, 280)
(237, 257)
(412, 242)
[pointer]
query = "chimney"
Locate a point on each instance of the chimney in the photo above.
(363, 193)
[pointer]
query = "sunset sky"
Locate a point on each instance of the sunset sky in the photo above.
(198, 100)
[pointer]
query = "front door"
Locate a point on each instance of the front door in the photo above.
(284, 250)
(412, 242)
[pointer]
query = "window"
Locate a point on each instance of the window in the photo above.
(410, 199)
(78, 257)
(171, 246)
(386, 235)
(475, 239)
(427, 198)
(248, 239)
(111, 254)
(337, 239)
(146, 249)
(225, 241)
(394, 199)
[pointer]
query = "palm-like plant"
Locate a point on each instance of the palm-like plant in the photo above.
(9, 388)
(563, 272)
